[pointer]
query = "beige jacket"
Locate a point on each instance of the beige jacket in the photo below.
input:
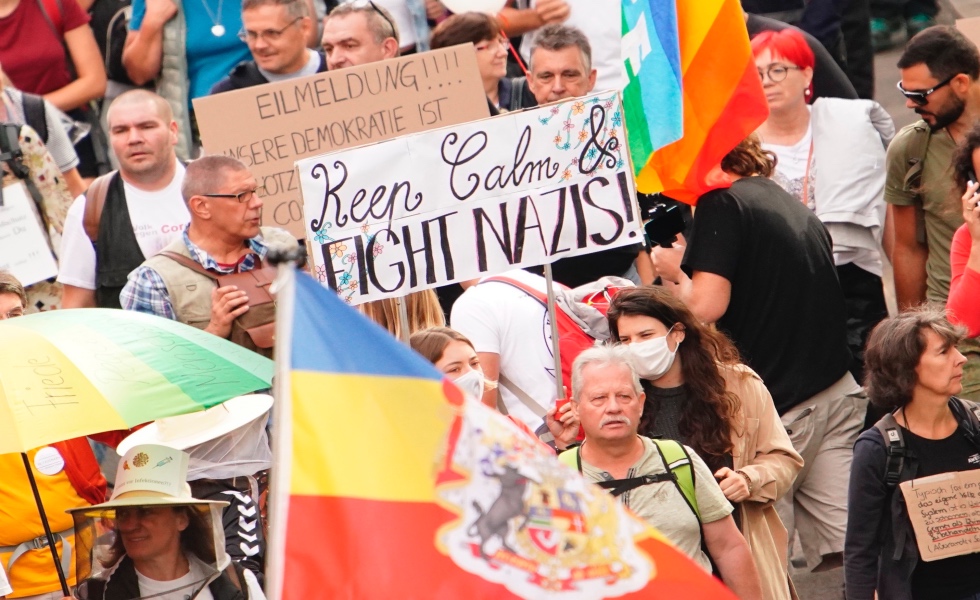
(762, 451)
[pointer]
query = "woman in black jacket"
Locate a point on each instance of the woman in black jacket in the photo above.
(913, 370)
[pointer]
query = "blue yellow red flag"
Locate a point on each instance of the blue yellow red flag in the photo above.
(389, 484)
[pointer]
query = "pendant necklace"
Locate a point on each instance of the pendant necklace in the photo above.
(218, 29)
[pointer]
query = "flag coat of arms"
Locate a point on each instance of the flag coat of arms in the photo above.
(388, 483)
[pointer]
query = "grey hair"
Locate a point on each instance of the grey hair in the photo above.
(379, 20)
(602, 356)
(294, 8)
(206, 174)
(558, 37)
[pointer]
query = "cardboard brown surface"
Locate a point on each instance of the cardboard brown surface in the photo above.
(945, 513)
(970, 28)
(269, 127)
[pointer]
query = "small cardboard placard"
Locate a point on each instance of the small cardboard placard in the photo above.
(24, 250)
(269, 127)
(945, 513)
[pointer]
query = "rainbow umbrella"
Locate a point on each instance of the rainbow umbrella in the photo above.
(70, 373)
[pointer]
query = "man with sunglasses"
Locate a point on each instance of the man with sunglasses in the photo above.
(357, 33)
(276, 32)
(940, 69)
(224, 237)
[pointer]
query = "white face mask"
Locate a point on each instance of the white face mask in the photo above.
(652, 358)
(471, 384)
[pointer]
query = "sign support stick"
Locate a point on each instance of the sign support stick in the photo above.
(550, 283)
(406, 333)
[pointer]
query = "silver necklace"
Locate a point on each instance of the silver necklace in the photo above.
(218, 29)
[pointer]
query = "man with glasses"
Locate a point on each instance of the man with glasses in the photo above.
(358, 33)
(127, 215)
(940, 68)
(13, 300)
(276, 32)
(224, 237)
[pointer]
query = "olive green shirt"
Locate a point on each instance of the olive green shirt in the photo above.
(936, 195)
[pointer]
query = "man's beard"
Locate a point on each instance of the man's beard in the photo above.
(945, 118)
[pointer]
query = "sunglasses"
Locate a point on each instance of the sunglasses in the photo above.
(370, 4)
(921, 97)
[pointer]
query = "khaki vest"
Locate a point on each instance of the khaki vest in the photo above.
(190, 291)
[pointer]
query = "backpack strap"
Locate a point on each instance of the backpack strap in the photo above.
(968, 415)
(95, 197)
(894, 448)
(678, 462)
(521, 395)
(190, 263)
(675, 459)
(915, 159)
(52, 10)
(35, 114)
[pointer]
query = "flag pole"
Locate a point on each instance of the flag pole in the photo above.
(549, 283)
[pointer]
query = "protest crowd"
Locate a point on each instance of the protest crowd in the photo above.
(739, 383)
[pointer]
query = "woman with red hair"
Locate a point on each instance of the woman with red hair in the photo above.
(831, 157)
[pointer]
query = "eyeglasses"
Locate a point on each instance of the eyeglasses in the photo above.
(776, 72)
(242, 197)
(370, 4)
(270, 35)
(921, 97)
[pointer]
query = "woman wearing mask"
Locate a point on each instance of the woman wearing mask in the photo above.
(701, 395)
(453, 354)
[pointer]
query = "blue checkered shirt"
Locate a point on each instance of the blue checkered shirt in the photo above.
(146, 292)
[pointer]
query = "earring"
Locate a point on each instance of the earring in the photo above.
(806, 92)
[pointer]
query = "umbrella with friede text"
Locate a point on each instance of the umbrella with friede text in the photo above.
(71, 373)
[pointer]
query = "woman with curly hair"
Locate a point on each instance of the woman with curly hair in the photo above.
(914, 371)
(697, 392)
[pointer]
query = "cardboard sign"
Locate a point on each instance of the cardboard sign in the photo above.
(945, 513)
(24, 250)
(476, 199)
(970, 28)
(269, 127)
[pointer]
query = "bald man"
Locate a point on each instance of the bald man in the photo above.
(128, 215)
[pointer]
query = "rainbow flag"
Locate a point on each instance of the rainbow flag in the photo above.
(652, 97)
(388, 484)
(723, 101)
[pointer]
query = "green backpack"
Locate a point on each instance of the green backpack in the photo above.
(679, 471)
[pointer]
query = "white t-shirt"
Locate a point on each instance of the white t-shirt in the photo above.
(501, 319)
(791, 167)
(601, 22)
(158, 218)
(184, 586)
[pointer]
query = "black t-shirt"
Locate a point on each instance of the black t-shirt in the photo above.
(956, 576)
(786, 314)
(829, 80)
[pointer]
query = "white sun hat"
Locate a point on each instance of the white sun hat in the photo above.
(185, 431)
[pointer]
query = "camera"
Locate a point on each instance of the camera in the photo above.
(664, 219)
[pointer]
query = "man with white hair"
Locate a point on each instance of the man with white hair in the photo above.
(662, 482)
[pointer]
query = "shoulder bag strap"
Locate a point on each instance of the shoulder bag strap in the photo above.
(95, 197)
(677, 461)
(190, 263)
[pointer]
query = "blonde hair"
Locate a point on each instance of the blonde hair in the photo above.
(423, 311)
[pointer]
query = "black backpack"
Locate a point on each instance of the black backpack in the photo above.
(110, 23)
(967, 415)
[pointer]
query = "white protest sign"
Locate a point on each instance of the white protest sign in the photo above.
(24, 250)
(471, 200)
(945, 513)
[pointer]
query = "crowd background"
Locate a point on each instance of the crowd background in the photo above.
(90, 54)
